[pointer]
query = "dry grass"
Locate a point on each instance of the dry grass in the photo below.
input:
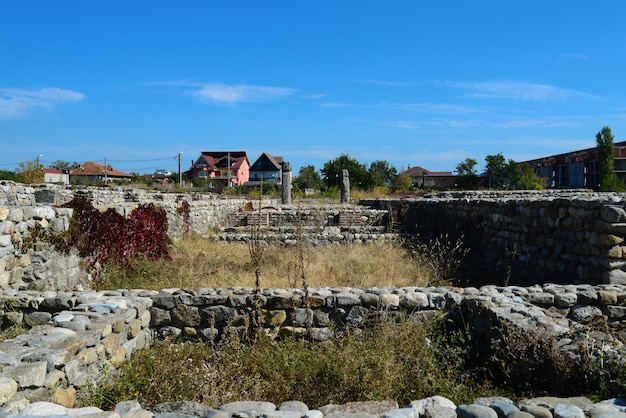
(197, 263)
(390, 361)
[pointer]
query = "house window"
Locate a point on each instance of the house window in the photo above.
(563, 180)
(592, 178)
(202, 174)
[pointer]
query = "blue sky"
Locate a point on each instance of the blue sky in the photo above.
(409, 82)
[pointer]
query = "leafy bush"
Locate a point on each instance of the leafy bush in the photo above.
(105, 237)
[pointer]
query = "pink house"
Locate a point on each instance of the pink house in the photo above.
(231, 168)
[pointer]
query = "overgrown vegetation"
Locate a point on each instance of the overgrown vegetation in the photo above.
(108, 238)
(441, 258)
(197, 262)
(402, 360)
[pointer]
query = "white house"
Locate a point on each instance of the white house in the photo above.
(52, 175)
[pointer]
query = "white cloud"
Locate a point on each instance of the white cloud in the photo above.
(334, 104)
(315, 96)
(223, 93)
(14, 102)
(540, 123)
(402, 124)
(437, 107)
(516, 90)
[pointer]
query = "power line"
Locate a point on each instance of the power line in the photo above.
(143, 161)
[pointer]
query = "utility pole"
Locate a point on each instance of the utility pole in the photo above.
(105, 170)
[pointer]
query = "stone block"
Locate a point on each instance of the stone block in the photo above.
(390, 301)
(29, 374)
(112, 343)
(54, 379)
(616, 312)
(235, 407)
(104, 328)
(363, 409)
(475, 411)
(220, 315)
(5, 240)
(43, 409)
(565, 300)
(88, 356)
(275, 318)
(614, 277)
(184, 316)
(343, 300)
(159, 317)
(8, 388)
(370, 300)
(118, 357)
(613, 214)
(609, 240)
(135, 328)
(65, 397)
(414, 301)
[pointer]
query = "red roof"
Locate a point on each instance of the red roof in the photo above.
(219, 159)
(94, 169)
(419, 172)
(52, 171)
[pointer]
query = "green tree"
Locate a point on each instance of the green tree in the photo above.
(381, 173)
(466, 173)
(401, 183)
(512, 175)
(529, 180)
(8, 175)
(496, 170)
(30, 172)
(64, 166)
(609, 182)
(359, 177)
(308, 178)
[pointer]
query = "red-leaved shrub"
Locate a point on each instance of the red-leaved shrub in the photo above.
(105, 237)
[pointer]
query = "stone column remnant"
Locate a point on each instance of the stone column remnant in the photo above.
(345, 186)
(286, 183)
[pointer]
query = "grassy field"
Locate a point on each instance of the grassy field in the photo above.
(197, 263)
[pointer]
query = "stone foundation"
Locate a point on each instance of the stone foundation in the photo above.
(75, 335)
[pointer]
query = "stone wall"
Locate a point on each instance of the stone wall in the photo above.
(40, 267)
(37, 267)
(75, 336)
(207, 210)
(225, 218)
(73, 339)
(516, 237)
(525, 237)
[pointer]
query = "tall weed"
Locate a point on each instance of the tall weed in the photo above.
(441, 258)
(196, 262)
(394, 360)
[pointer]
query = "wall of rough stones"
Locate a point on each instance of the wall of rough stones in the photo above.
(519, 237)
(525, 237)
(224, 218)
(22, 207)
(75, 336)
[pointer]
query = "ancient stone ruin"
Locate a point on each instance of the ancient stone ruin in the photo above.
(566, 248)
